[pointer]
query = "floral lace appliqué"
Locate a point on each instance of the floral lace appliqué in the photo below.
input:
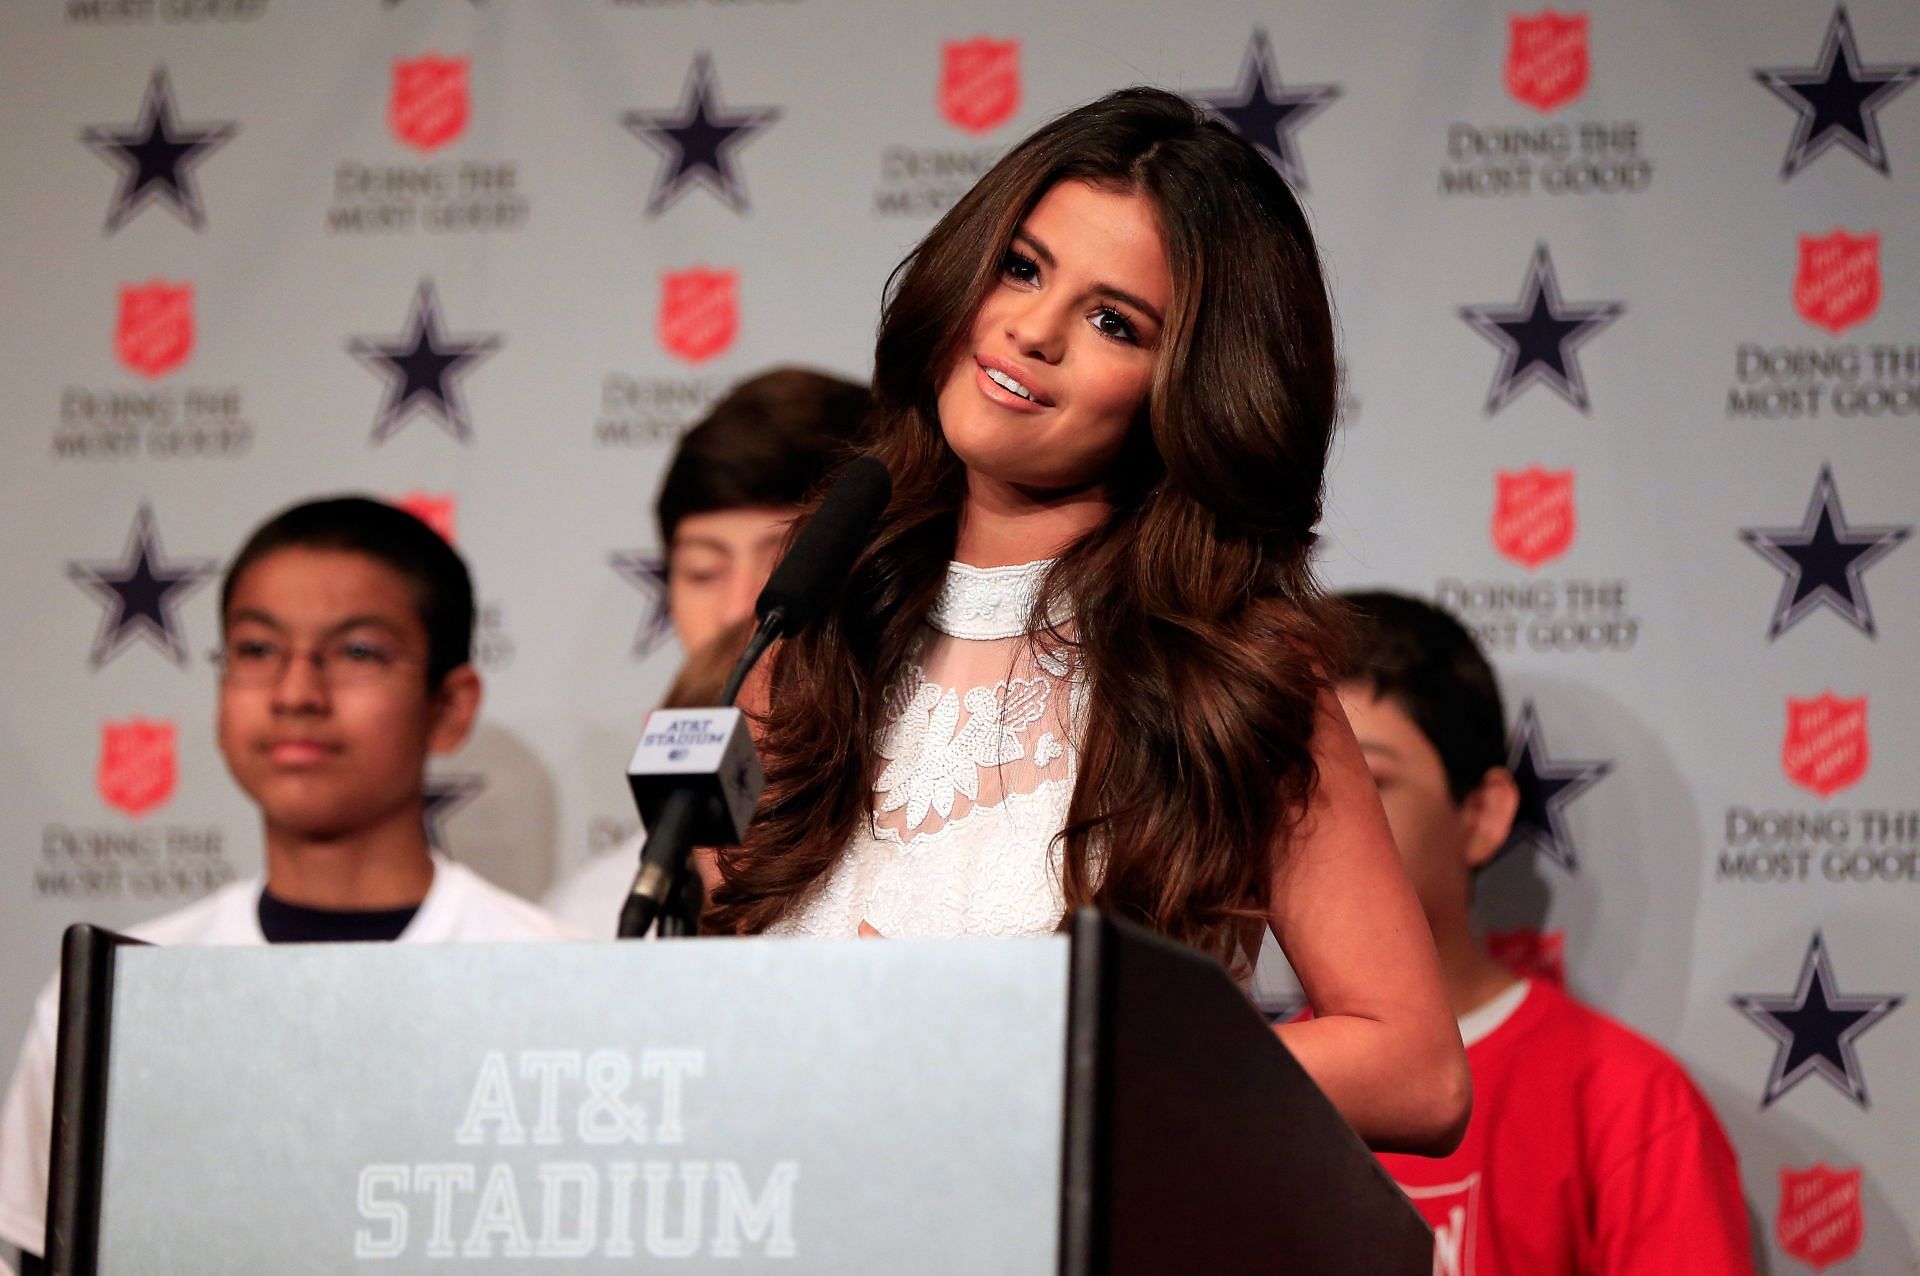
(932, 759)
(978, 744)
(1048, 750)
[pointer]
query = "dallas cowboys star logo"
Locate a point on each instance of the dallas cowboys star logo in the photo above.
(1823, 560)
(1538, 336)
(423, 368)
(141, 592)
(156, 157)
(699, 140)
(441, 797)
(1838, 99)
(1266, 114)
(1546, 786)
(1815, 1028)
(647, 573)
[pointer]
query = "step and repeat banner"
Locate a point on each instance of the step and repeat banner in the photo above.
(1631, 307)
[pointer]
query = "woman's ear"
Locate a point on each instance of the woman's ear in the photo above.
(1489, 811)
(455, 706)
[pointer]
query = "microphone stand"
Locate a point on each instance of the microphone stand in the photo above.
(667, 896)
(821, 554)
(679, 911)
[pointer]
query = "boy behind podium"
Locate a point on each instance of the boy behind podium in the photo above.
(346, 628)
(1589, 1150)
(736, 482)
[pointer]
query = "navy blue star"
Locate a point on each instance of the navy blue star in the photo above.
(140, 592)
(1266, 114)
(1538, 336)
(423, 369)
(1823, 560)
(699, 139)
(443, 795)
(646, 572)
(1546, 786)
(156, 157)
(1838, 99)
(1816, 1027)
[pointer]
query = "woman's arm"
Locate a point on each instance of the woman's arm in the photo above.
(1383, 1043)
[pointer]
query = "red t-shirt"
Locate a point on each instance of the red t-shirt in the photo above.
(1589, 1152)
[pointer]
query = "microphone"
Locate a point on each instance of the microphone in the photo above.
(816, 562)
(696, 780)
(826, 546)
(694, 774)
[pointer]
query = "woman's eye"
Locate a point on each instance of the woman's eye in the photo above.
(1016, 266)
(1112, 323)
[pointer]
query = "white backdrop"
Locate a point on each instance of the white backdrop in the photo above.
(1631, 303)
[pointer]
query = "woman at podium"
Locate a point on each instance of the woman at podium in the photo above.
(1084, 659)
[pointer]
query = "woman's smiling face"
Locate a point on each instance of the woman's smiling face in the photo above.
(1061, 354)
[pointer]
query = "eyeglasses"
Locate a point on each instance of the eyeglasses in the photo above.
(338, 662)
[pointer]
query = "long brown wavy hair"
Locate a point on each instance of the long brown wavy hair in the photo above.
(1196, 618)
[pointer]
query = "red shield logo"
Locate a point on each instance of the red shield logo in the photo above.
(1547, 58)
(1825, 748)
(979, 82)
(435, 509)
(1838, 284)
(429, 104)
(136, 771)
(699, 312)
(1821, 1221)
(1530, 952)
(1533, 519)
(155, 332)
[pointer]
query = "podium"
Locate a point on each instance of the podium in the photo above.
(1099, 1101)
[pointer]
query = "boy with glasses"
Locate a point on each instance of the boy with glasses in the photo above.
(347, 629)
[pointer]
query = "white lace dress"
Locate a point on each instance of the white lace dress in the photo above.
(980, 751)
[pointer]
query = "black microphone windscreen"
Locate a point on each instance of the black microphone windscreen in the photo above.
(827, 545)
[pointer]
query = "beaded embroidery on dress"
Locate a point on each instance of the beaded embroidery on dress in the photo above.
(980, 753)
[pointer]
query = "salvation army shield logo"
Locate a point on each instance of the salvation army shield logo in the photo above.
(1821, 1221)
(136, 771)
(1825, 748)
(1838, 283)
(1546, 58)
(154, 334)
(435, 509)
(979, 82)
(429, 104)
(1527, 951)
(699, 312)
(1533, 521)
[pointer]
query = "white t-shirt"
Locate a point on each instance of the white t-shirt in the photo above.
(460, 907)
(591, 896)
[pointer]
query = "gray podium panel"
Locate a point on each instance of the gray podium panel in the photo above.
(740, 1106)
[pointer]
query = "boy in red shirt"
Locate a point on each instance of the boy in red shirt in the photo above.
(1589, 1151)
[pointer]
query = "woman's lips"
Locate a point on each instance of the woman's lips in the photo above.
(1006, 398)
